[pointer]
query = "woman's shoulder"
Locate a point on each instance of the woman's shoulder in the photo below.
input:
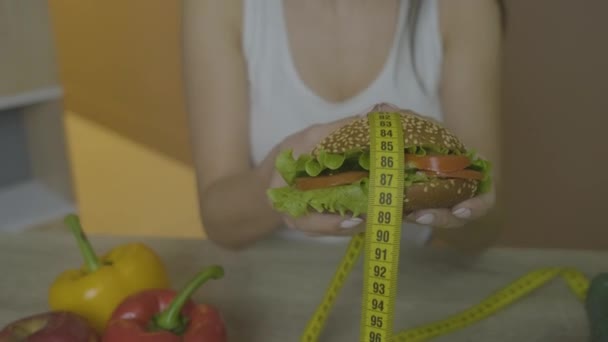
(464, 9)
(456, 16)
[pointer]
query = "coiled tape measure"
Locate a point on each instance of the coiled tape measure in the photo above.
(381, 245)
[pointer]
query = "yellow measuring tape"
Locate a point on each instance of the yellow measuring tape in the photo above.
(381, 242)
(383, 230)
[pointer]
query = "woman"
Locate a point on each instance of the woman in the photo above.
(267, 75)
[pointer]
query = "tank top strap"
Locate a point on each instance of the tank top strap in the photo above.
(426, 48)
(263, 34)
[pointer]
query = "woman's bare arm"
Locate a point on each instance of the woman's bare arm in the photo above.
(470, 94)
(470, 86)
(233, 204)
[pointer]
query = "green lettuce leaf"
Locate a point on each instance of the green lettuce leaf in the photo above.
(287, 166)
(412, 177)
(483, 166)
(364, 161)
(306, 165)
(332, 161)
(313, 167)
(343, 199)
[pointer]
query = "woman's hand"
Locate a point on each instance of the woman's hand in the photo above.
(315, 224)
(458, 216)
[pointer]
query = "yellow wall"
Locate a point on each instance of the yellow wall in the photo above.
(126, 127)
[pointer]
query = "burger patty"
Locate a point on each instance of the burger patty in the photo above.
(438, 193)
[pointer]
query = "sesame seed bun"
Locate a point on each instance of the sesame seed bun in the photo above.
(418, 131)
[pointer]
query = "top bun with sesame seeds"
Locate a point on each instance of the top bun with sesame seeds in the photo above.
(439, 171)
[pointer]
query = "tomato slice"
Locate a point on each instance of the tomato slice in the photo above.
(321, 182)
(464, 174)
(445, 163)
(439, 166)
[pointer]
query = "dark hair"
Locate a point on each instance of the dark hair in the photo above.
(413, 14)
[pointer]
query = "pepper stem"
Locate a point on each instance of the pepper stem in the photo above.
(90, 258)
(170, 318)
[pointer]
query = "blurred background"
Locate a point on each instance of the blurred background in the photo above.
(92, 119)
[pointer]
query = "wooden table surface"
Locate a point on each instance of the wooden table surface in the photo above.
(270, 290)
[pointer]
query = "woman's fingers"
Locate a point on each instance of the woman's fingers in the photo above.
(439, 218)
(458, 216)
(475, 207)
(326, 224)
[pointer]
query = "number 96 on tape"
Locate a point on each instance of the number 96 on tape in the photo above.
(376, 321)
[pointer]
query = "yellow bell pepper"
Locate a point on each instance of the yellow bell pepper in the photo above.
(102, 283)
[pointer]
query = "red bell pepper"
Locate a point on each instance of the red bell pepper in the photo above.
(162, 315)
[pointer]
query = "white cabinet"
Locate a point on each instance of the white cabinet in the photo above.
(34, 173)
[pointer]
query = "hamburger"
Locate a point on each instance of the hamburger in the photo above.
(440, 171)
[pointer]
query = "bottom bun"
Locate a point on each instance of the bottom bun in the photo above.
(438, 193)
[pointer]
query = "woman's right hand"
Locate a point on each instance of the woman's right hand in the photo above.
(316, 224)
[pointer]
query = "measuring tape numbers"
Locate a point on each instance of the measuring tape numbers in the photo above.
(383, 226)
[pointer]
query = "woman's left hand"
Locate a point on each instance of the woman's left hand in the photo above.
(458, 216)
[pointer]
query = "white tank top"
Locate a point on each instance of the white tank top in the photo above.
(282, 104)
